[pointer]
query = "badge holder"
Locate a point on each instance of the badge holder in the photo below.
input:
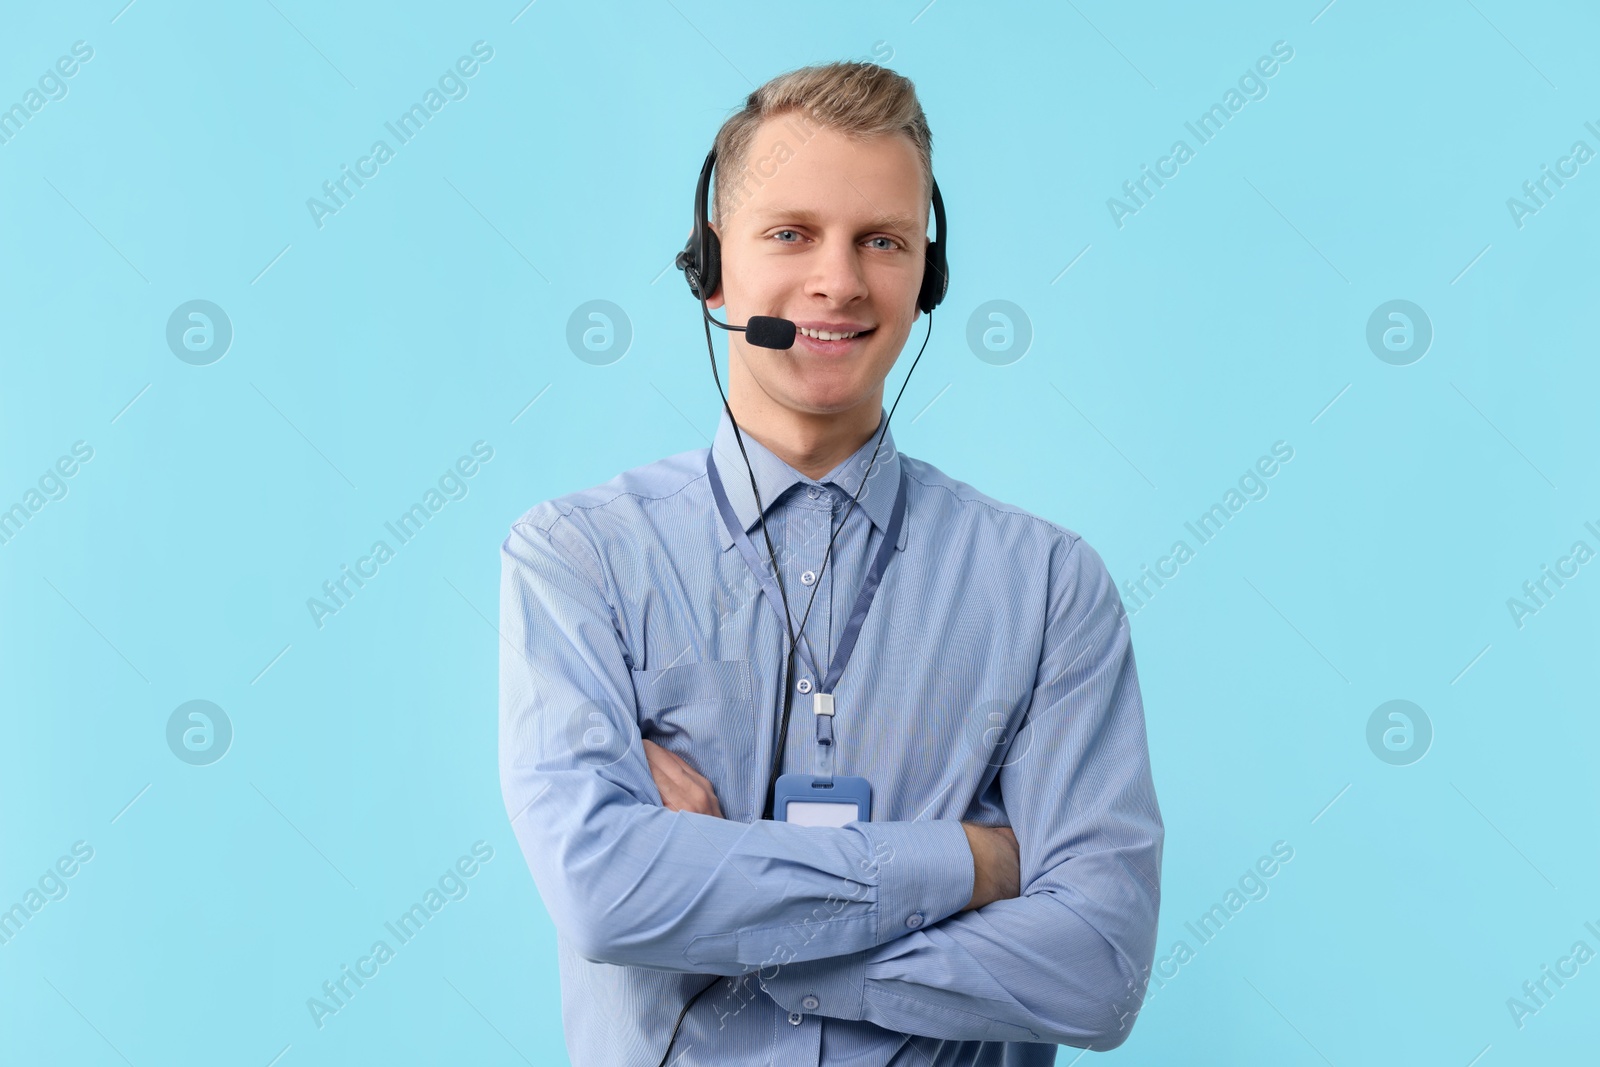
(822, 799)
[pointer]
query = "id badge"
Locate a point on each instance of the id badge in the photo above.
(811, 800)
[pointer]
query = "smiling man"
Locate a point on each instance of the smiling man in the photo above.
(967, 664)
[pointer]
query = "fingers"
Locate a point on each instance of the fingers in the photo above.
(682, 788)
(696, 797)
(667, 760)
(668, 766)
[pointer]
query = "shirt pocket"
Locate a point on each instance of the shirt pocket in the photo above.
(705, 713)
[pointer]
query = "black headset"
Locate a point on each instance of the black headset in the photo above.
(701, 258)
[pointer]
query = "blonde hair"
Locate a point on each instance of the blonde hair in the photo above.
(858, 99)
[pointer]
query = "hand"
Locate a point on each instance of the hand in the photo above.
(682, 787)
(996, 864)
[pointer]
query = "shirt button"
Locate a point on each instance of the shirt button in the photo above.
(914, 920)
(804, 685)
(808, 578)
(811, 1003)
(813, 492)
(795, 1018)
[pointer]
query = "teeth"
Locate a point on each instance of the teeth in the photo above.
(824, 335)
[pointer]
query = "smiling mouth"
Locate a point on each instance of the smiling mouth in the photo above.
(825, 335)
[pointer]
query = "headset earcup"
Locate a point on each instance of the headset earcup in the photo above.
(702, 256)
(935, 279)
(711, 264)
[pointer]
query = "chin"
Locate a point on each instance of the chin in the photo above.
(828, 403)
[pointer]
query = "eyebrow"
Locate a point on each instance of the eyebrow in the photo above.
(908, 223)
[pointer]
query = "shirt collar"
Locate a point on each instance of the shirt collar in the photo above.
(774, 477)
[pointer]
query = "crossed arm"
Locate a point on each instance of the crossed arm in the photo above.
(920, 945)
(995, 866)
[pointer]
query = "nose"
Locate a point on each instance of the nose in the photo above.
(836, 272)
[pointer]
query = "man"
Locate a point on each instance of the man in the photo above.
(1001, 899)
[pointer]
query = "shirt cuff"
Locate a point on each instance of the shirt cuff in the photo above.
(925, 873)
(835, 986)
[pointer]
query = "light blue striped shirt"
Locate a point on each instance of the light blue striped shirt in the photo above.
(993, 682)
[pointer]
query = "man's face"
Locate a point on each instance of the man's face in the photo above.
(834, 239)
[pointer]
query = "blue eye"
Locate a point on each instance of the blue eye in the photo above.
(889, 239)
(780, 233)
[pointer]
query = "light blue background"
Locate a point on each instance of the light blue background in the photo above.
(1228, 314)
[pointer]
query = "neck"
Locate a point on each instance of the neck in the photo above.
(813, 443)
